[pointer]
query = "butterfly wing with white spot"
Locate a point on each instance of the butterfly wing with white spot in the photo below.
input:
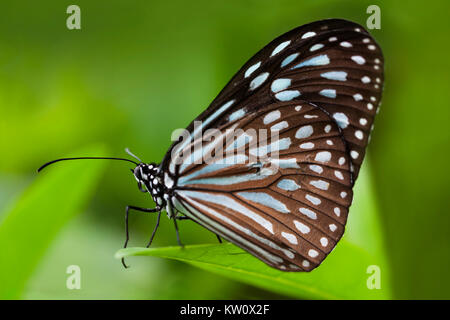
(285, 200)
(334, 64)
(330, 73)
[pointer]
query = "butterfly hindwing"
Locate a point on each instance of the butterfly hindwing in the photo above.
(287, 206)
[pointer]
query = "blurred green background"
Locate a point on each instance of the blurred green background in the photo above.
(139, 69)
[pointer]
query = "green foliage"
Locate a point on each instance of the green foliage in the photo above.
(30, 225)
(136, 71)
(326, 282)
(341, 276)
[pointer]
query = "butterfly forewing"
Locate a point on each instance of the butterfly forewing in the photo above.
(318, 87)
(333, 63)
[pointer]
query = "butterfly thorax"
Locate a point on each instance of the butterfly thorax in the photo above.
(149, 176)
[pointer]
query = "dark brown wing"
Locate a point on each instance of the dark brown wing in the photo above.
(318, 86)
(334, 64)
(286, 204)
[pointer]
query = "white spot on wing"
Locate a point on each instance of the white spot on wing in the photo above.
(359, 134)
(236, 115)
(288, 185)
(315, 47)
(329, 93)
(251, 69)
(365, 79)
(286, 163)
(358, 59)
(337, 211)
(323, 156)
(315, 61)
(302, 227)
(308, 35)
(280, 84)
(338, 175)
(335, 75)
(272, 116)
(320, 184)
(287, 95)
(290, 237)
(280, 47)
(289, 59)
(313, 253)
(309, 213)
(259, 80)
(357, 97)
(279, 126)
(307, 145)
(314, 200)
(316, 168)
(341, 119)
(304, 132)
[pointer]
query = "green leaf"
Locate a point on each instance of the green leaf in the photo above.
(30, 225)
(343, 275)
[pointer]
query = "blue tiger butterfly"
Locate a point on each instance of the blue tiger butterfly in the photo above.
(317, 87)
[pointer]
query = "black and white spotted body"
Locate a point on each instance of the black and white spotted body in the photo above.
(149, 175)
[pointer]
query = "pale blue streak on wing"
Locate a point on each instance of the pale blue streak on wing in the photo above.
(265, 199)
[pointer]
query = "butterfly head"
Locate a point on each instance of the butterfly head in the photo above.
(148, 175)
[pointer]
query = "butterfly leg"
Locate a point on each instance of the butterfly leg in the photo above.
(127, 237)
(178, 234)
(154, 230)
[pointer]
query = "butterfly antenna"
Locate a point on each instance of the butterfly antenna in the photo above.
(85, 158)
(132, 154)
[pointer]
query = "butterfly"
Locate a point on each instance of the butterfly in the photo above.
(315, 91)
